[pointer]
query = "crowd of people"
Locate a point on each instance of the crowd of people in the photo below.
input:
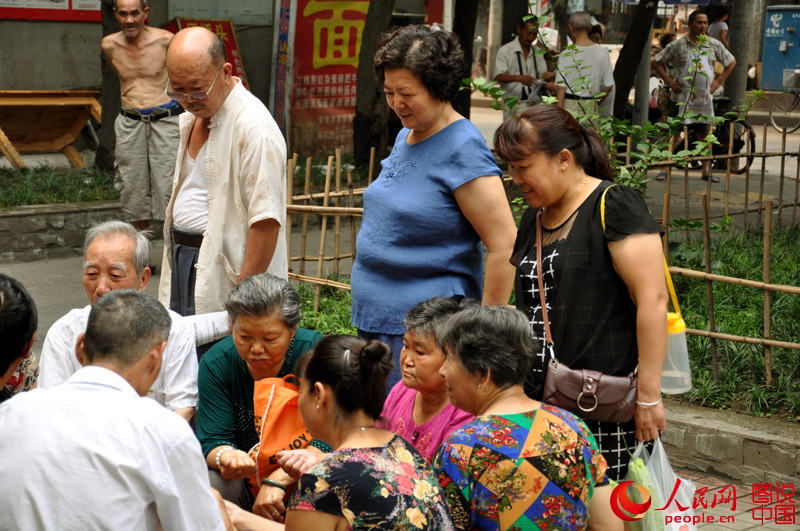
(434, 417)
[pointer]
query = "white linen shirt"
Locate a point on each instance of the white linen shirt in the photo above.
(176, 384)
(92, 454)
(245, 167)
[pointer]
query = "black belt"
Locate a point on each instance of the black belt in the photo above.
(155, 116)
(574, 97)
(190, 239)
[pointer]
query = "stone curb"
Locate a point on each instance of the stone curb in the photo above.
(743, 448)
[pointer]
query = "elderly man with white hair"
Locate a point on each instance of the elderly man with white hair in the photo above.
(116, 257)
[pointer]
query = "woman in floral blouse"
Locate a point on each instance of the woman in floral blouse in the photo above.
(373, 479)
(519, 464)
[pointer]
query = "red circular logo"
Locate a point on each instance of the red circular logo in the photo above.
(624, 507)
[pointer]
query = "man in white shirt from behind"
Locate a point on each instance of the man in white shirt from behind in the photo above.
(116, 257)
(585, 72)
(92, 453)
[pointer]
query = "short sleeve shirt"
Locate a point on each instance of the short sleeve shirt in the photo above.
(585, 71)
(532, 470)
(387, 487)
(398, 416)
(414, 242)
(176, 384)
(677, 54)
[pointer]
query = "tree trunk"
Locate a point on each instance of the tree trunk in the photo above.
(740, 38)
(369, 124)
(109, 96)
(464, 27)
(561, 22)
(631, 52)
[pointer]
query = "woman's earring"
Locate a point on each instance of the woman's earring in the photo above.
(317, 406)
(563, 169)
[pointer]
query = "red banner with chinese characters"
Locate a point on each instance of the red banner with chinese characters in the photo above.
(327, 40)
(65, 10)
(224, 29)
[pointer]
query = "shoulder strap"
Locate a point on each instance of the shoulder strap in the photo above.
(521, 72)
(668, 277)
(540, 281)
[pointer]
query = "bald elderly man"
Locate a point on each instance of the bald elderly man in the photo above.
(225, 219)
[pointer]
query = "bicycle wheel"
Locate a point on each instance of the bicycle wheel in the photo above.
(785, 112)
(739, 165)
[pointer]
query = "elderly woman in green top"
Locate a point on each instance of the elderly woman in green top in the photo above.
(264, 311)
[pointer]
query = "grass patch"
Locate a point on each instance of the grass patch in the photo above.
(43, 185)
(739, 311)
(334, 310)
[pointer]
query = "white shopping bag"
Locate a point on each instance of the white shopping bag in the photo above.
(679, 492)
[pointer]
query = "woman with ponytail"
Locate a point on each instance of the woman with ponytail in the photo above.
(604, 285)
(373, 479)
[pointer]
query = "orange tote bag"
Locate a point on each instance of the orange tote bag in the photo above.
(278, 424)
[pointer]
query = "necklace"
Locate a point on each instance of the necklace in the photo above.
(356, 430)
(569, 211)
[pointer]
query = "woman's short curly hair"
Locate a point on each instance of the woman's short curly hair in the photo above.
(432, 55)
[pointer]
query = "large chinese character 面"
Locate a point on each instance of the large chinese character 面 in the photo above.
(337, 39)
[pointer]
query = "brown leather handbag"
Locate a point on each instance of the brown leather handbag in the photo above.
(592, 395)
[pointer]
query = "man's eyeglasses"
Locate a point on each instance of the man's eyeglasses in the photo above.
(198, 95)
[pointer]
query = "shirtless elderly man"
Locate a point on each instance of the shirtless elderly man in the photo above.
(147, 126)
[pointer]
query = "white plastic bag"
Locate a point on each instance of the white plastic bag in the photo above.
(665, 480)
(640, 475)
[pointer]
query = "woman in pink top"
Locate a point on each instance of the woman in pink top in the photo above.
(417, 407)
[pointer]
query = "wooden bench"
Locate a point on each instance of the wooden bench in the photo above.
(45, 121)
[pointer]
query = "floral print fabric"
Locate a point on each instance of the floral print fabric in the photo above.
(388, 487)
(533, 470)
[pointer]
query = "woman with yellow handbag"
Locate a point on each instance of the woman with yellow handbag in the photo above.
(593, 289)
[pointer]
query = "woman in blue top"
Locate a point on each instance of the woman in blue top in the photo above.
(438, 196)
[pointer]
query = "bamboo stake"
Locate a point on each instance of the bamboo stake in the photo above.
(727, 169)
(767, 293)
(782, 177)
(665, 223)
(304, 233)
(711, 165)
(289, 193)
(763, 167)
(323, 229)
(371, 164)
(319, 281)
(691, 273)
(747, 134)
(743, 339)
(686, 182)
(351, 203)
(796, 188)
(628, 147)
(710, 288)
(315, 258)
(327, 211)
(320, 195)
(337, 222)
